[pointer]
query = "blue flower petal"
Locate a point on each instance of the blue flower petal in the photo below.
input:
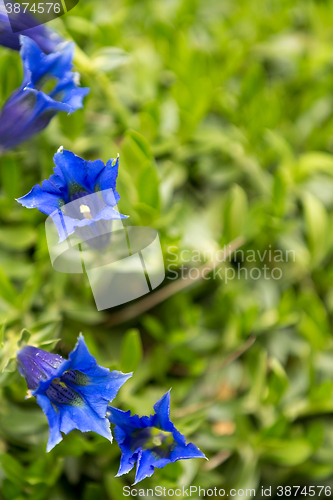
(37, 64)
(49, 186)
(144, 467)
(68, 92)
(125, 425)
(162, 418)
(189, 450)
(45, 201)
(108, 213)
(128, 458)
(162, 411)
(66, 418)
(124, 419)
(53, 418)
(65, 225)
(83, 418)
(73, 170)
(109, 175)
(107, 181)
(77, 172)
(94, 169)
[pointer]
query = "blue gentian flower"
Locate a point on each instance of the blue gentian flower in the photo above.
(30, 108)
(47, 39)
(72, 393)
(150, 441)
(85, 191)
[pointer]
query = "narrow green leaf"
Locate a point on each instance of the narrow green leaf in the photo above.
(131, 352)
(7, 291)
(316, 223)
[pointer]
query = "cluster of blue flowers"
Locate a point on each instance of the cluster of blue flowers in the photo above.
(75, 394)
(49, 85)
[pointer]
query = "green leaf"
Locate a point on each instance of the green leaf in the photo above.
(148, 187)
(114, 486)
(7, 291)
(321, 394)
(109, 59)
(135, 152)
(310, 330)
(235, 214)
(92, 491)
(72, 124)
(314, 161)
(13, 469)
(316, 223)
(2, 333)
(24, 337)
(17, 238)
(277, 381)
(10, 178)
(257, 366)
(288, 453)
(131, 351)
(279, 195)
(81, 25)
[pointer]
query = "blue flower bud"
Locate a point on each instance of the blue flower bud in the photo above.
(36, 364)
(30, 108)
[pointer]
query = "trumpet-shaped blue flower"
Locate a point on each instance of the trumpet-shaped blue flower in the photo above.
(30, 108)
(72, 393)
(46, 38)
(150, 441)
(85, 191)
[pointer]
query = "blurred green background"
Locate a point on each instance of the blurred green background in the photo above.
(222, 113)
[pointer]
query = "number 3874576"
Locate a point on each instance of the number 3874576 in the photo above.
(41, 8)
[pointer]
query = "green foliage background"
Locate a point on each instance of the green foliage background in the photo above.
(221, 112)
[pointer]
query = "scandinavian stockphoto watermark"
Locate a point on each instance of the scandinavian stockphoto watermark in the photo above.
(121, 262)
(240, 264)
(124, 262)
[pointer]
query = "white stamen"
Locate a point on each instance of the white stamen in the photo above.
(84, 209)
